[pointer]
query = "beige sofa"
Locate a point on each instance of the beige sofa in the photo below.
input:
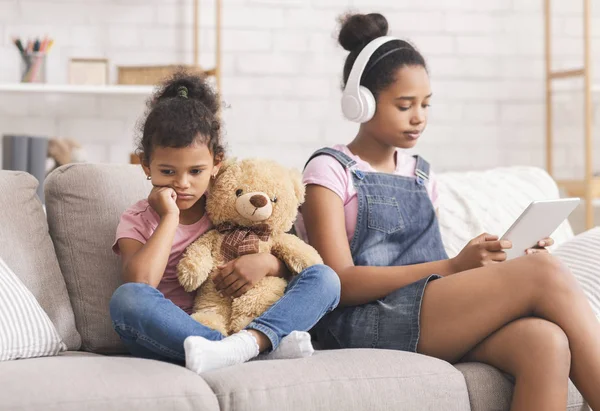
(64, 258)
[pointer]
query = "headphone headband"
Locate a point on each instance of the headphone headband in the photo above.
(358, 103)
(361, 62)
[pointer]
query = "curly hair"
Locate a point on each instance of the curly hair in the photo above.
(358, 30)
(181, 111)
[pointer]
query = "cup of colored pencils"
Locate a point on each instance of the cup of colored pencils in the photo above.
(33, 59)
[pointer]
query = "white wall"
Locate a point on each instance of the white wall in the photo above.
(282, 70)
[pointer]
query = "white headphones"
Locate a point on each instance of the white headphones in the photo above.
(358, 103)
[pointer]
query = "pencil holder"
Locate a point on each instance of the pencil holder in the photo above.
(33, 68)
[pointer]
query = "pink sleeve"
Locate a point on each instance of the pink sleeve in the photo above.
(132, 225)
(433, 190)
(326, 171)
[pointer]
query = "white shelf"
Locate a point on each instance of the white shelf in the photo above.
(75, 89)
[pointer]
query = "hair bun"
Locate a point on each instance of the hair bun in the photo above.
(189, 84)
(359, 29)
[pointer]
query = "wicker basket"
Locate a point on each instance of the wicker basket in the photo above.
(151, 75)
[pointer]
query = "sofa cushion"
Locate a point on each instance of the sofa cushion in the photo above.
(83, 381)
(582, 255)
(25, 329)
(490, 389)
(84, 204)
(27, 249)
(352, 379)
(475, 202)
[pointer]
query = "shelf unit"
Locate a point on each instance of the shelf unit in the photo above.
(75, 89)
(589, 187)
(133, 90)
(121, 89)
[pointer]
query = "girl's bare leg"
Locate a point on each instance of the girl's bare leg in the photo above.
(459, 311)
(536, 352)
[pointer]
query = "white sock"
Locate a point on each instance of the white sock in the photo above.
(297, 344)
(203, 355)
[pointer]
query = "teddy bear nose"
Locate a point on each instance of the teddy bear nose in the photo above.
(258, 200)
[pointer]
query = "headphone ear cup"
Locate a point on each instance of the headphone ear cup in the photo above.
(352, 106)
(368, 104)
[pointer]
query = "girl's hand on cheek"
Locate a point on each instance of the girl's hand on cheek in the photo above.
(164, 201)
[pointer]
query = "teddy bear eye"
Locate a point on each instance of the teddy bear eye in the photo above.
(274, 199)
(239, 192)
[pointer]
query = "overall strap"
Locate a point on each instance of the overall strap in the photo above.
(342, 158)
(421, 170)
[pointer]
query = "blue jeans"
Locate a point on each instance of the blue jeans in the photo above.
(151, 326)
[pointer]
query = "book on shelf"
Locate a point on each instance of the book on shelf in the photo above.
(26, 153)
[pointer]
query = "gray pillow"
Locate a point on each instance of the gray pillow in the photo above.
(27, 249)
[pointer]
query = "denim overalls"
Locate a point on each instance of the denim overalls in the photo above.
(396, 225)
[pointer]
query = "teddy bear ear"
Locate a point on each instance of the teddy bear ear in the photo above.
(299, 188)
(226, 164)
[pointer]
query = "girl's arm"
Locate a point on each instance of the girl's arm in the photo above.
(146, 263)
(323, 214)
(238, 276)
(279, 268)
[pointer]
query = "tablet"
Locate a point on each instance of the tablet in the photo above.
(539, 220)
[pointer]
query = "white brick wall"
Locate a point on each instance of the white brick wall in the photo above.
(282, 71)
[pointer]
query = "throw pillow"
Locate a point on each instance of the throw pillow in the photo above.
(582, 255)
(25, 329)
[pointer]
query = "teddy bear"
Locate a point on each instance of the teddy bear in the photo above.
(252, 204)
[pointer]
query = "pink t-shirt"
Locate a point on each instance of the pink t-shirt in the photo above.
(326, 171)
(139, 223)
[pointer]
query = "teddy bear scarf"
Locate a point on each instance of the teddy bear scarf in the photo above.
(241, 240)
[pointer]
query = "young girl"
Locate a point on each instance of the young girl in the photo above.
(181, 151)
(370, 213)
